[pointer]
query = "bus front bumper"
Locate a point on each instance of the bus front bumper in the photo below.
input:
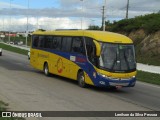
(106, 82)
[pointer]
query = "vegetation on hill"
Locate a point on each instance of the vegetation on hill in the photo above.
(145, 33)
(150, 23)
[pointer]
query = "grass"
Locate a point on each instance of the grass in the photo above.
(149, 60)
(3, 109)
(3, 106)
(152, 78)
(13, 49)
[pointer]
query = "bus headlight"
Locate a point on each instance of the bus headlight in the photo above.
(102, 75)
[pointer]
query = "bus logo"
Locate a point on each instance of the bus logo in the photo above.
(60, 65)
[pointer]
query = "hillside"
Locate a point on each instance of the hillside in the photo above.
(145, 32)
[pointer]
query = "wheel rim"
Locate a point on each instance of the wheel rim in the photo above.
(81, 80)
(46, 70)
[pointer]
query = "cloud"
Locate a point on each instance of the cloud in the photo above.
(136, 7)
(8, 5)
(68, 13)
(20, 24)
(91, 8)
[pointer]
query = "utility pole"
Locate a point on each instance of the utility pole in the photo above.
(103, 18)
(104, 25)
(103, 15)
(127, 9)
(27, 25)
(37, 23)
(9, 39)
(82, 14)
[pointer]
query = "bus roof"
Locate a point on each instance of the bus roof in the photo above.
(97, 35)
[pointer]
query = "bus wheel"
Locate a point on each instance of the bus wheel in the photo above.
(46, 69)
(81, 80)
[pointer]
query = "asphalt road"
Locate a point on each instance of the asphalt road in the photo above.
(27, 89)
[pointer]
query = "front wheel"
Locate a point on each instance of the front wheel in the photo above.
(46, 69)
(81, 79)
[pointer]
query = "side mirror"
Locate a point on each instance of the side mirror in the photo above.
(98, 48)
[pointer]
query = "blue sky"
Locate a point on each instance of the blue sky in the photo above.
(53, 14)
(33, 3)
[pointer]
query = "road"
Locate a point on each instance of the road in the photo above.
(27, 89)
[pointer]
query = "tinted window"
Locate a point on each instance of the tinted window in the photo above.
(57, 43)
(48, 42)
(66, 44)
(41, 41)
(35, 41)
(77, 45)
(91, 50)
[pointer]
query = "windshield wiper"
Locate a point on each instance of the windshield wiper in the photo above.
(125, 58)
(115, 61)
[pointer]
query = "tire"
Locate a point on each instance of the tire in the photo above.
(81, 80)
(1, 54)
(46, 69)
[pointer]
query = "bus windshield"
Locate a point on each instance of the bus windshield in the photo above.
(117, 57)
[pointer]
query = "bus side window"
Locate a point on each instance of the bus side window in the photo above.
(66, 44)
(91, 50)
(48, 42)
(77, 45)
(57, 43)
(35, 41)
(41, 41)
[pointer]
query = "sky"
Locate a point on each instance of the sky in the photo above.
(67, 14)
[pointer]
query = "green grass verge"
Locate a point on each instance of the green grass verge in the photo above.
(148, 77)
(13, 49)
(149, 61)
(3, 108)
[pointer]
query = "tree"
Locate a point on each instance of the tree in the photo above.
(93, 27)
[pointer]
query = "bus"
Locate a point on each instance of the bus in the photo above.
(97, 58)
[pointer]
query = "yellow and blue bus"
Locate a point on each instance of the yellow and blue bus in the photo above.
(97, 58)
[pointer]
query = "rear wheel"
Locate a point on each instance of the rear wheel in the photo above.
(81, 79)
(46, 69)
